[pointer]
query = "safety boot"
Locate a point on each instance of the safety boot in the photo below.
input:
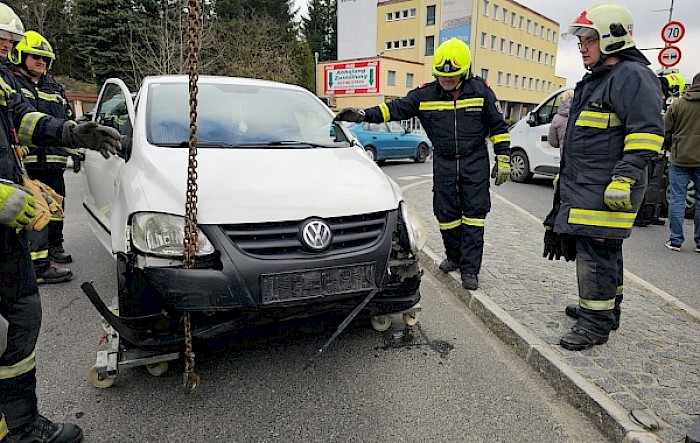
(58, 255)
(470, 281)
(448, 265)
(579, 339)
(573, 312)
(43, 430)
(54, 275)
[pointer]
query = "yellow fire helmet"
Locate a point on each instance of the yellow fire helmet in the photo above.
(612, 22)
(676, 84)
(11, 27)
(33, 43)
(452, 58)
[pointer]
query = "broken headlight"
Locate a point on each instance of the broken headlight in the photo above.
(416, 232)
(164, 234)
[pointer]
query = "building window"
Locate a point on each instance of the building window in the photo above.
(539, 56)
(513, 16)
(412, 12)
(520, 47)
(529, 26)
(546, 58)
(411, 42)
(388, 16)
(396, 44)
(404, 43)
(486, 8)
(515, 83)
(520, 23)
(542, 32)
(484, 73)
(429, 45)
(500, 78)
(537, 84)
(522, 84)
(387, 46)
(510, 47)
(404, 13)
(484, 36)
(505, 15)
(493, 42)
(495, 12)
(530, 82)
(554, 36)
(409, 80)
(391, 78)
(397, 15)
(527, 52)
(536, 28)
(430, 15)
(508, 79)
(503, 45)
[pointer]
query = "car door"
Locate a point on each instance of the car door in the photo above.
(403, 145)
(380, 138)
(114, 109)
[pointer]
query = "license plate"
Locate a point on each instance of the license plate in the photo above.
(317, 283)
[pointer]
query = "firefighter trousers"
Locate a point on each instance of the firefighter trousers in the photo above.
(461, 201)
(21, 306)
(599, 270)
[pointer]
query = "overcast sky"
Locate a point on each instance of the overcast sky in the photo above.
(647, 30)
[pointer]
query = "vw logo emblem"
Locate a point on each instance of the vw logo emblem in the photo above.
(316, 235)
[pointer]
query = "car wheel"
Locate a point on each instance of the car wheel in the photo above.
(371, 153)
(519, 167)
(421, 153)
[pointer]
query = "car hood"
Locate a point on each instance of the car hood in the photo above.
(260, 185)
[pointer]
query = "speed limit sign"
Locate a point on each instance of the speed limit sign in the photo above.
(672, 32)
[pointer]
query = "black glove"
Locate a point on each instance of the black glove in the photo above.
(552, 245)
(568, 247)
(77, 161)
(90, 135)
(354, 115)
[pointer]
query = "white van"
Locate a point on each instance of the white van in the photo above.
(530, 152)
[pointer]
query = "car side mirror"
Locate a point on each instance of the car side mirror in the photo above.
(531, 119)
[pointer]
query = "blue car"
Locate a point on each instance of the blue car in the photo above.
(384, 141)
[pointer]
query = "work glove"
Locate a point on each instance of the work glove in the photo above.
(4, 328)
(552, 244)
(354, 115)
(501, 169)
(78, 159)
(618, 195)
(47, 202)
(17, 206)
(91, 135)
(557, 246)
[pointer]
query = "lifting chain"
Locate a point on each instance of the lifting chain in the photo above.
(190, 377)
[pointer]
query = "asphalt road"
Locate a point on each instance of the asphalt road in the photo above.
(644, 252)
(448, 379)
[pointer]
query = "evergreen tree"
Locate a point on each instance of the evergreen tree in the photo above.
(319, 28)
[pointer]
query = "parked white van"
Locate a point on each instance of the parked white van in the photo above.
(530, 151)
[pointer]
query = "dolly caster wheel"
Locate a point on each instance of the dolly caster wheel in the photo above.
(410, 318)
(381, 323)
(157, 369)
(99, 380)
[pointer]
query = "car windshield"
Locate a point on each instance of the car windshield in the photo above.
(240, 116)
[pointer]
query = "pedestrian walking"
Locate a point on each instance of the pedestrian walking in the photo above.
(32, 58)
(458, 112)
(614, 129)
(682, 139)
(20, 305)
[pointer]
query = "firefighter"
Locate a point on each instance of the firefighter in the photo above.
(20, 305)
(614, 129)
(458, 112)
(33, 58)
(672, 86)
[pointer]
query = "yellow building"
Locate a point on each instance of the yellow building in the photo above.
(513, 47)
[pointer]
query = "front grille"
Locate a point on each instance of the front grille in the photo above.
(282, 239)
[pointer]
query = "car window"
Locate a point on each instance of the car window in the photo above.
(396, 127)
(377, 127)
(112, 111)
(231, 115)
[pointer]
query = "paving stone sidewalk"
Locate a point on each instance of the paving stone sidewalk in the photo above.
(650, 367)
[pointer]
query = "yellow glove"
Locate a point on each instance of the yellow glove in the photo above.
(618, 195)
(17, 207)
(501, 169)
(48, 204)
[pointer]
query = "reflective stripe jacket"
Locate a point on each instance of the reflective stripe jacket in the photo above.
(47, 96)
(456, 127)
(32, 127)
(614, 128)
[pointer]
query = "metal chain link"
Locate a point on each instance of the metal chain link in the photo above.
(190, 377)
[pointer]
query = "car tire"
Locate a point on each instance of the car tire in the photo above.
(519, 167)
(371, 153)
(421, 153)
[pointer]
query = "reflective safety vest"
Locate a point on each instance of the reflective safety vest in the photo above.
(614, 128)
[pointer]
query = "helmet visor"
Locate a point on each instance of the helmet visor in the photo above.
(6, 35)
